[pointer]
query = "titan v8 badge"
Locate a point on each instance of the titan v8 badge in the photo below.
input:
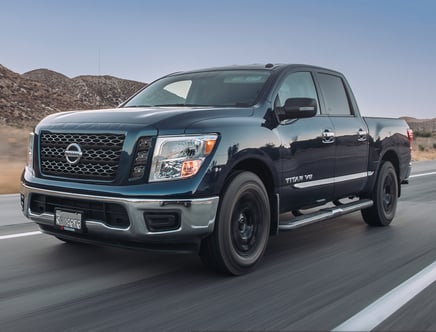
(299, 178)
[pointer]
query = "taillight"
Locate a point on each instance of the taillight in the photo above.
(410, 137)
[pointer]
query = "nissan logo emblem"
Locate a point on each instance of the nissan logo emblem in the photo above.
(73, 153)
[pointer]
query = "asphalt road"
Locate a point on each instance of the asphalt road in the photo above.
(312, 278)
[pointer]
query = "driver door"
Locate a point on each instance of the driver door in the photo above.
(307, 152)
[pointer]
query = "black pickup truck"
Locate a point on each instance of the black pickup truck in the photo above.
(215, 161)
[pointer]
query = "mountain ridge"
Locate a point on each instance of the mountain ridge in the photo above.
(27, 98)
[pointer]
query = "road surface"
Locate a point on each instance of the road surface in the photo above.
(312, 278)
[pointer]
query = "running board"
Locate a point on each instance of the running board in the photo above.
(325, 214)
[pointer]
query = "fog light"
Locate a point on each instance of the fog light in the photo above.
(162, 221)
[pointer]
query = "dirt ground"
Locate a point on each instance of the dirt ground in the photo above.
(10, 173)
(424, 148)
(13, 148)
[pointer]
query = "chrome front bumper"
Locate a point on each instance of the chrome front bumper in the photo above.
(197, 218)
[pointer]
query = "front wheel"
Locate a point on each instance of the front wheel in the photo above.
(241, 229)
(385, 197)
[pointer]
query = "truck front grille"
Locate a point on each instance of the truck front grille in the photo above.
(99, 159)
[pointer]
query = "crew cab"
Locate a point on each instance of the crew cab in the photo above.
(215, 161)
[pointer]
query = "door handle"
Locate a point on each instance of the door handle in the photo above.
(328, 136)
(362, 135)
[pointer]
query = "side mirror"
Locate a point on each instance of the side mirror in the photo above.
(297, 108)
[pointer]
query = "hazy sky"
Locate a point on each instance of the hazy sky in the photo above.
(386, 48)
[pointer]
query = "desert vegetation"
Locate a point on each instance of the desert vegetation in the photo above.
(13, 148)
(424, 146)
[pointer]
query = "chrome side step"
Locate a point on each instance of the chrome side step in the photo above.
(325, 214)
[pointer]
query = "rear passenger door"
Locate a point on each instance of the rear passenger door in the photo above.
(350, 134)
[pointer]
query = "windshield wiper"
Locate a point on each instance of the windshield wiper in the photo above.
(180, 105)
(127, 106)
(240, 104)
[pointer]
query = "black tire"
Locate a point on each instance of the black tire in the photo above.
(385, 197)
(242, 227)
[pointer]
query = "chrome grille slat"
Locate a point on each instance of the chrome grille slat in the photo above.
(100, 159)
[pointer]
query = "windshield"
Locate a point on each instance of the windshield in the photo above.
(239, 88)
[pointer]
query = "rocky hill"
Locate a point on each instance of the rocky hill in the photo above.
(421, 125)
(25, 99)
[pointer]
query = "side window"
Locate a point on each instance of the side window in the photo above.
(296, 85)
(334, 94)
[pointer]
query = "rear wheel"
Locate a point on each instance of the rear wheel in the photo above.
(385, 197)
(241, 229)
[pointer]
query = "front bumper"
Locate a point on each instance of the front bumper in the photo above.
(197, 219)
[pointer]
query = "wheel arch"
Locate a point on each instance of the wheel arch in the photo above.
(388, 155)
(392, 157)
(269, 180)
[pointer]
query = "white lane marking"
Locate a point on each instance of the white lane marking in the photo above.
(378, 311)
(11, 236)
(423, 174)
(9, 195)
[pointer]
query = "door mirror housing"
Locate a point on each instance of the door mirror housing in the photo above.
(297, 108)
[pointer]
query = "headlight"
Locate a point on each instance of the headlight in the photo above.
(179, 157)
(29, 162)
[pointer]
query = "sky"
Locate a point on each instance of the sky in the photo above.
(385, 48)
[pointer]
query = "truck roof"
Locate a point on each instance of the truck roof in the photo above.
(267, 66)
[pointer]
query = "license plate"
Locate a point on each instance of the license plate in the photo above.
(69, 221)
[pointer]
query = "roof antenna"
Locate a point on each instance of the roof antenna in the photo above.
(99, 92)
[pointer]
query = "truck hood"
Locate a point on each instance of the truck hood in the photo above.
(161, 118)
